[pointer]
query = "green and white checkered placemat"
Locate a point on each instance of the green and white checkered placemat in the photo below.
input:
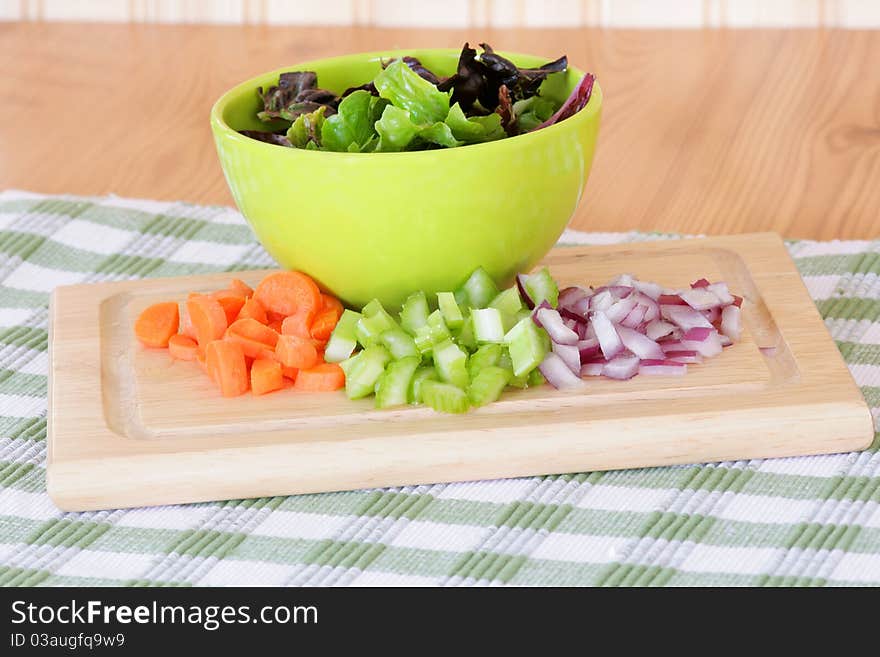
(812, 520)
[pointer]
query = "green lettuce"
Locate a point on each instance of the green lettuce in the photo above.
(305, 131)
(476, 129)
(397, 131)
(400, 85)
(352, 129)
(532, 112)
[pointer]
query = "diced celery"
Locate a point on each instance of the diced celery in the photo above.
(414, 313)
(415, 387)
(526, 345)
(392, 388)
(450, 360)
(536, 378)
(439, 330)
(450, 310)
(478, 290)
(423, 339)
(488, 325)
(399, 343)
(374, 322)
(508, 301)
(343, 340)
(465, 336)
(349, 363)
(486, 356)
(540, 286)
(444, 397)
(488, 385)
(361, 376)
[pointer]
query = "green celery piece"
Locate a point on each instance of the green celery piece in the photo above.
(415, 387)
(438, 329)
(348, 364)
(478, 290)
(444, 397)
(351, 128)
(536, 378)
(541, 287)
(450, 310)
(488, 325)
(343, 340)
(414, 313)
(532, 112)
(515, 381)
(406, 90)
(450, 361)
(486, 356)
(488, 385)
(526, 345)
(392, 388)
(476, 129)
(508, 301)
(374, 321)
(362, 375)
(465, 335)
(399, 344)
(306, 129)
(424, 340)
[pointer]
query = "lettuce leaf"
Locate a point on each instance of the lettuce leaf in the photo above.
(532, 112)
(352, 129)
(404, 88)
(397, 131)
(476, 129)
(306, 129)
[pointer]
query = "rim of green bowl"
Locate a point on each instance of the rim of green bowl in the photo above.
(591, 110)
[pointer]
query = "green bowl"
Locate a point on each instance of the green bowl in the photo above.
(381, 225)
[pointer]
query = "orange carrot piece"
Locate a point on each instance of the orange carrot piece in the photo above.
(253, 309)
(208, 318)
(275, 326)
(323, 325)
(226, 360)
(289, 293)
(157, 323)
(289, 372)
(231, 302)
(294, 351)
(321, 378)
(332, 303)
(241, 288)
(266, 376)
(186, 325)
(296, 325)
(257, 340)
(182, 347)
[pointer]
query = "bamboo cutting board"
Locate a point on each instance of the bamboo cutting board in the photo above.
(129, 427)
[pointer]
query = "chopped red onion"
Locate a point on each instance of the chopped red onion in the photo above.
(570, 355)
(684, 317)
(652, 290)
(684, 356)
(671, 300)
(720, 290)
(581, 306)
(700, 283)
(572, 295)
(551, 321)
(662, 368)
(639, 343)
(698, 333)
(636, 317)
(521, 286)
(622, 367)
(558, 373)
(592, 369)
(620, 309)
(601, 300)
(708, 348)
(658, 328)
(700, 298)
(731, 322)
(616, 291)
(609, 340)
(588, 349)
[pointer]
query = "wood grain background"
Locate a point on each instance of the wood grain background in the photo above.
(705, 131)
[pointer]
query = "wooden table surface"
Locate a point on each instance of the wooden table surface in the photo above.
(703, 131)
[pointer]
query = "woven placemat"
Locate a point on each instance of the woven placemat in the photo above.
(812, 520)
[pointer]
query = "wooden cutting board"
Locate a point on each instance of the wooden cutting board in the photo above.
(129, 427)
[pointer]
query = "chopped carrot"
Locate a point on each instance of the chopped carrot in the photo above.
(275, 326)
(203, 363)
(332, 303)
(240, 287)
(157, 323)
(252, 309)
(296, 325)
(289, 293)
(257, 340)
(182, 347)
(226, 360)
(289, 372)
(323, 325)
(274, 317)
(186, 325)
(232, 303)
(266, 376)
(294, 351)
(208, 318)
(321, 378)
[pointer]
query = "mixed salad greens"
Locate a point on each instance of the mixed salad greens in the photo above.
(407, 107)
